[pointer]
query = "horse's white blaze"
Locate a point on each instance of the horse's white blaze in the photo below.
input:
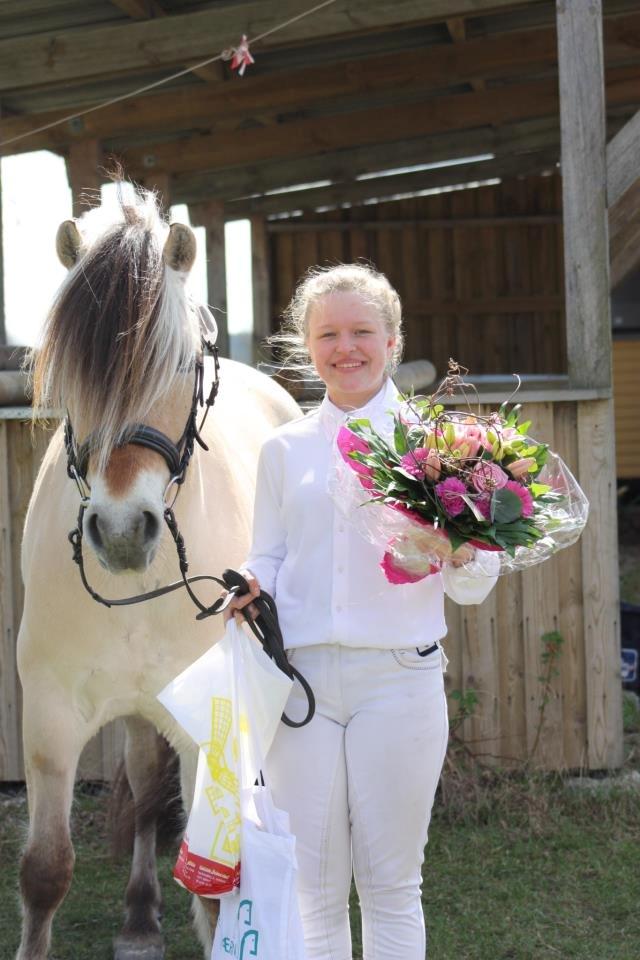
(125, 531)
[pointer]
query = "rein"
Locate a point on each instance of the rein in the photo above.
(177, 457)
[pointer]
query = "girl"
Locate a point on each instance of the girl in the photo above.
(359, 780)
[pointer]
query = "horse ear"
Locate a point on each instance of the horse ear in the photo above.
(180, 248)
(68, 243)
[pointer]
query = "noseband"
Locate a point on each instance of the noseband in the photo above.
(177, 457)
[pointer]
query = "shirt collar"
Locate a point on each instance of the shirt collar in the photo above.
(332, 417)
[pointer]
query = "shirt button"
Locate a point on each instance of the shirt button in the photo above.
(340, 569)
(341, 529)
(338, 609)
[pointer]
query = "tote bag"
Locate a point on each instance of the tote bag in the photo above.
(261, 919)
(206, 700)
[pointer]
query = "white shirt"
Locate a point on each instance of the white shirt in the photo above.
(324, 576)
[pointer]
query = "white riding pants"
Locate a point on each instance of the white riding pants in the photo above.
(359, 782)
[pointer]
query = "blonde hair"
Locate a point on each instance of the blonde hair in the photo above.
(359, 278)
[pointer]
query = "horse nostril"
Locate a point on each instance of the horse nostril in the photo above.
(150, 530)
(94, 530)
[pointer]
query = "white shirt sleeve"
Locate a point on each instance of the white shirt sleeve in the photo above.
(473, 583)
(268, 548)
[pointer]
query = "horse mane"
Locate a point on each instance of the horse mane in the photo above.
(121, 329)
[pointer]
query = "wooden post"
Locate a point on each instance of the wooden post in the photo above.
(586, 251)
(83, 163)
(261, 286)
(210, 215)
(584, 183)
(10, 769)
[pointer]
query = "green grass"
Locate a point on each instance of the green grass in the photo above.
(527, 870)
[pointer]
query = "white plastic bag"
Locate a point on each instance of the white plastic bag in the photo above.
(262, 918)
(207, 703)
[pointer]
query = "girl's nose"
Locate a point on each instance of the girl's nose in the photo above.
(346, 343)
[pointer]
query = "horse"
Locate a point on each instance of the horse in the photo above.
(121, 354)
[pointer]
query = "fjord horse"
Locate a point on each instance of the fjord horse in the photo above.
(121, 349)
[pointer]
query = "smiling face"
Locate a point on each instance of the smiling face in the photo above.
(349, 347)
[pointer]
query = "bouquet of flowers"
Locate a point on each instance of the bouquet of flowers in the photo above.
(448, 486)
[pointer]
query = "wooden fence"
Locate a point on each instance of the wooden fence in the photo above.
(495, 649)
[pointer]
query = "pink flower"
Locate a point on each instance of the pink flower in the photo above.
(348, 443)
(449, 491)
(421, 463)
(468, 440)
(525, 496)
(483, 504)
(520, 468)
(487, 476)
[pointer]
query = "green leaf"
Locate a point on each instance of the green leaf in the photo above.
(505, 506)
(400, 438)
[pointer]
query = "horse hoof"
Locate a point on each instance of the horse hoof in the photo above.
(138, 948)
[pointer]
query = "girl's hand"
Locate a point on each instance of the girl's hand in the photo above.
(239, 603)
(462, 555)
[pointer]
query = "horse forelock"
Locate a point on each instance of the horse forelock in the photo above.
(121, 330)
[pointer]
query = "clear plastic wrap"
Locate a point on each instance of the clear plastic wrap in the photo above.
(412, 547)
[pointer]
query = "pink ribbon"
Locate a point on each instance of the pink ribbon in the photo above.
(241, 56)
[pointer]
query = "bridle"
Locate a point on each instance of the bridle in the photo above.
(177, 456)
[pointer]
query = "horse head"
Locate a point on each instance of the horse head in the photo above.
(120, 355)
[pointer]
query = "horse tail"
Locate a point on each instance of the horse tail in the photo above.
(159, 804)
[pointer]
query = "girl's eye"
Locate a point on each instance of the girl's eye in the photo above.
(325, 336)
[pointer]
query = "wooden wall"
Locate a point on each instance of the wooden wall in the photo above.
(494, 649)
(479, 271)
(21, 450)
(626, 391)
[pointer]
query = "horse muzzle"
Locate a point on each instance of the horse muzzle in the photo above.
(126, 542)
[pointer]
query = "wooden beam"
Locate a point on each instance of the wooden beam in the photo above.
(166, 41)
(452, 223)
(300, 89)
(150, 9)
(261, 285)
(499, 56)
(458, 32)
(624, 234)
(83, 171)
(211, 217)
(304, 137)
(582, 117)
(386, 187)
(623, 166)
(347, 164)
(343, 130)
(582, 120)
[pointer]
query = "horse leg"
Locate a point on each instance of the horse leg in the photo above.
(52, 744)
(146, 756)
(204, 910)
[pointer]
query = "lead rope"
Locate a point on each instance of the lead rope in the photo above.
(265, 627)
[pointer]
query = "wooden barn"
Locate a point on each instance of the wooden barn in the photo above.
(482, 153)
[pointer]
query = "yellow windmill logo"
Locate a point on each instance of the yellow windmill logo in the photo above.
(223, 794)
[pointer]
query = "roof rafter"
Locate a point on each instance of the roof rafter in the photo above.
(166, 41)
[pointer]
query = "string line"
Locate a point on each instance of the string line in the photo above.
(158, 83)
